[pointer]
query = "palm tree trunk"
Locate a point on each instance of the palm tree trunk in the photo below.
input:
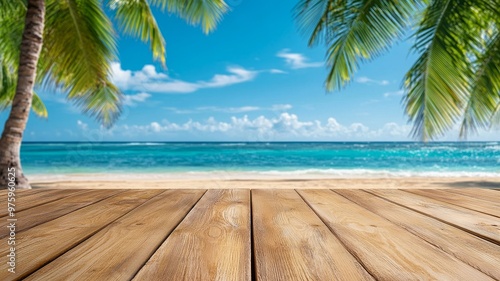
(10, 143)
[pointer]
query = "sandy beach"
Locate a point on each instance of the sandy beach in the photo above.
(82, 182)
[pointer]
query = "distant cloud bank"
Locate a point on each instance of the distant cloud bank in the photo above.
(284, 126)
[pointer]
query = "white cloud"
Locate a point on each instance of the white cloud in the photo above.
(282, 127)
(277, 71)
(132, 100)
(396, 93)
(229, 109)
(148, 80)
(285, 126)
(83, 126)
(241, 109)
(366, 80)
(238, 75)
(296, 60)
(281, 107)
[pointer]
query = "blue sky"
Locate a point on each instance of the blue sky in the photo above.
(253, 79)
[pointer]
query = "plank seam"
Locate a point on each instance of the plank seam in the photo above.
(168, 234)
(53, 200)
(423, 238)
(489, 199)
(337, 236)
(27, 274)
(37, 224)
(253, 267)
(451, 203)
(441, 220)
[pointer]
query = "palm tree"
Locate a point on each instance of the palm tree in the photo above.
(456, 78)
(69, 45)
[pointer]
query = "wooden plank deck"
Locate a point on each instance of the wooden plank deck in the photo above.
(254, 235)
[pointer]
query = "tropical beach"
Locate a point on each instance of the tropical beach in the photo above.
(293, 165)
(205, 140)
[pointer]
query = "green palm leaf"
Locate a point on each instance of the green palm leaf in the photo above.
(484, 99)
(207, 12)
(79, 47)
(135, 18)
(438, 83)
(8, 90)
(102, 102)
(12, 25)
(355, 31)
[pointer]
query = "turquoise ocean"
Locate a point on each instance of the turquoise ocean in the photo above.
(275, 159)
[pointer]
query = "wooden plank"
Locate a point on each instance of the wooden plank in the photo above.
(27, 201)
(212, 242)
(482, 225)
(387, 251)
(43, 243)
(486, 207)
(40, 214)
(292, 243)
(24, 192)
(118, 251)
(476, 252)
(480, 193)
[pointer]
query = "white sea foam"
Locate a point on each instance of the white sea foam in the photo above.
(271, 174)
(141, 143)
(232, 144)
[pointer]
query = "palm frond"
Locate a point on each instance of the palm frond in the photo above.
(484, 98)
(7, 84)
(354, 31)
(12, 26)
(79, 45)
(8, 90)
(11, 6)
(102, 102)
(207, 12)
(437, 84)
(135, 18)
(38, 107)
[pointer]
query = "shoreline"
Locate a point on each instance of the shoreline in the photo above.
(84, 182)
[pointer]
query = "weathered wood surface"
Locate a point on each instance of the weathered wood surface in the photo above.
(388, 251)
(480, 193)
(119, 250)
(43, 213)
(292, 243)
(212, 243)
(25, 200)
(43, 243)
(450, 234)
(485, 226)
(484, 206)
(477, 253)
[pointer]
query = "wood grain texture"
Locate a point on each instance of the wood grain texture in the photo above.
(26, 201)
(485, 226)
(39, 245)
(119, 250)
(387, 251)
(43, 213)
(212, 242)
(292, 243)
(480, 193)
(24, 192)
(476, 252)
(483, 206)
